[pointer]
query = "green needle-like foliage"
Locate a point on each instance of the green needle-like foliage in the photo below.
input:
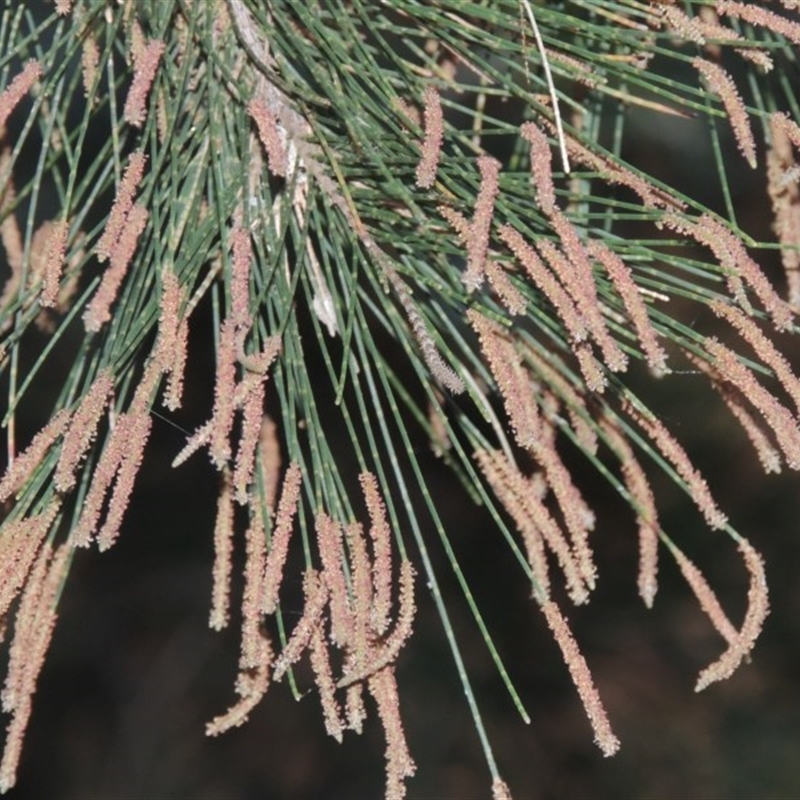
(442, 205)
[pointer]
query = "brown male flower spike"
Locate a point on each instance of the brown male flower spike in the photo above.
(173, 339)
(677, 456)
(23, 466)
(123, 202)
(223, 555)
(541, 167)
(82, 429)
(535, 523)
(17, 89)
(641, 493)
(775, 414)
(722, 84)
(133, 438)
(547, 283)
(755, 14)
(146, 66)
(432, 144)
(270, 136)
(399, 763)
(98, 311)
(582, 678)
(757, 610)
(281, 533)
(475, 234)
(513, 383)
(54, 262)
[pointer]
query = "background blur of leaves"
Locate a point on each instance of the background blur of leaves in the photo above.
(134, 672)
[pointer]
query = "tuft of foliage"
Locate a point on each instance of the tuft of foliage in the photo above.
(441, 203)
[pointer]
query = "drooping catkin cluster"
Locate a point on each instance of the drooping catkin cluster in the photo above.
(348, 605)
(125, 224)
(117, 467)
(74, 432)
(231, 394)
(740, 269)
(564, 271)
(557, 372)
(33, 630)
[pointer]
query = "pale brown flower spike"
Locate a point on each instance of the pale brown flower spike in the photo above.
(17, 89)
(733, 256)
(173, 339)
(535, 524)
(500, 790)
(98, 312)
(705, 595)
(721, 83)
(19, 546)
(546, 282)
(627, 289)
(541, 167)
(240, 282)
(54, 262)
(503, 286)
(475, 234)
(21, 468)
(641, 493)
(123, 203)
(775, 414)
(757, 610)
(141, 424)
(270, 136)
(399, 764)
(737, 402)
(82, 429)
(677, 456)
(125, 447)
(315, 593)
(756, 14)
(381, 536)
(582, 678)
(573, 267)
(254, 568)
(281, 533)
(432, 144)
(513, 383)
(224, 389)
(223, 555)
(331, 549)
(145, 69)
